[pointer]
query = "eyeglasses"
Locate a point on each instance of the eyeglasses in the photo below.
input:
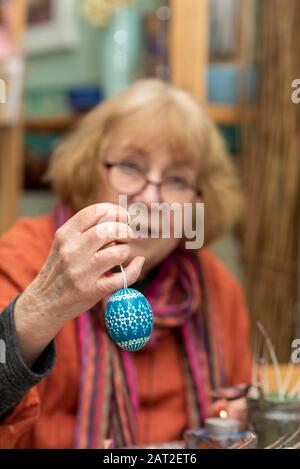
(127, 178)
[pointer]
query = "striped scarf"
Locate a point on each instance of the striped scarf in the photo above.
(108, 401)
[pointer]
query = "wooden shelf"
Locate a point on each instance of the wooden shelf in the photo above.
(224, 114)
(51, 123)
(220, 114)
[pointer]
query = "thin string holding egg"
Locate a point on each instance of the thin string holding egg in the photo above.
(129, 317)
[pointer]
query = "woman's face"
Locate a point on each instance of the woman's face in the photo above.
(155, 161)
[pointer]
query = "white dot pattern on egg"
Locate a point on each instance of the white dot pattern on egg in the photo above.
(129, 319)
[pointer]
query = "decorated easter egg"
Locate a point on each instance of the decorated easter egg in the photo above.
(129, 319)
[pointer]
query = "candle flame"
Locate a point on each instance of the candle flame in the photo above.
(223, 414)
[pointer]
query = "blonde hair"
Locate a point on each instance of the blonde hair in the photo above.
(156, 109)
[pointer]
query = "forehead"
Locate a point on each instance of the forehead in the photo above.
(151, 137)
(155, 151)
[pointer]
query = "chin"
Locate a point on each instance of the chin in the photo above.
(145, 248)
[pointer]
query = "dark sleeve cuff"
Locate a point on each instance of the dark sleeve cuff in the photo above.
(15, 377)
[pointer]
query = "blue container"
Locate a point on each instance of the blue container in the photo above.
(224, 83)
(84, 98)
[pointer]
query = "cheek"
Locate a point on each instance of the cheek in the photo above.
(105, 195)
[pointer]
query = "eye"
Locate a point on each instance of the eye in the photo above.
(177, 181)
(130, 166)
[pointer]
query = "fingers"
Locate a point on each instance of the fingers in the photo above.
(108, 285)
(108, 258)
(105, 233)
(93, 214)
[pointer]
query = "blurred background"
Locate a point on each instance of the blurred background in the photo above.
(238, 58)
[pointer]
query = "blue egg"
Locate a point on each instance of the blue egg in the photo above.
(129, 319)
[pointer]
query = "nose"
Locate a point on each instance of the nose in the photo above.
(150, 194)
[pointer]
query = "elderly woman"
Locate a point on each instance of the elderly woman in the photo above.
(64, 383)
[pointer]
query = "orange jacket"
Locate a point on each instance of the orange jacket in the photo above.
(45, 418)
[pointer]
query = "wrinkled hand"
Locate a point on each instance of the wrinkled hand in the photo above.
(73, 278)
